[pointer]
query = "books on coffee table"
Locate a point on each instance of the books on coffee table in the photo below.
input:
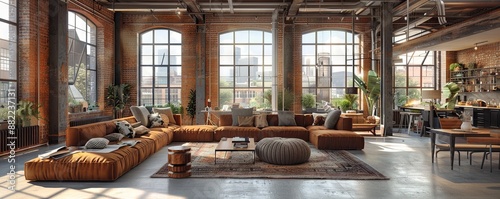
(241, 145)
(240, 139)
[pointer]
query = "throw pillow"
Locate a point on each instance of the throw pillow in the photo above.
(286, 118)
(141, 130)
(167, 111)
(97, 143)
(261, 121)
(125, 128)
(141, 114)
(245, 120)
(165, 119)
(240, 112)
(155, 120)
(114, 137)
(332, 118)
(319, 118)
(136, 124)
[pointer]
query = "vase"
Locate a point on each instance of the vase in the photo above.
(466, 126)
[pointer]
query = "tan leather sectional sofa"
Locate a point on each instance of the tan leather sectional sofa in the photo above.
(86, 166)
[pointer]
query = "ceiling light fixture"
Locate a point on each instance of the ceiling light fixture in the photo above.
(475, 45)
(177, 11)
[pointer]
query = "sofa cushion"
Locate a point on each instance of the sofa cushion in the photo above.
(194, 133)
(332, 118)
(125, 128)
(97, 143)
(336, 140)
(141, 130)
(240, 112)
(286, 118)
(286, 132)
(155, 120)
(114, 137)
(261, 120)
(245, 121)
(167, 111)
(141, 114)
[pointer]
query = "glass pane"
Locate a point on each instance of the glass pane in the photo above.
(338, 49)
(338, 77)
(400, 97)
(175, 50)
(161, 36)
(256, 37)
(71, 19)
(400, 76)
(8, 61)
(324, 50)
(323, 95)
(241, 36)
(268, 60)
(161, 76)
(146, 49)
(176, 60)
(146, 60)
(241, 50)
(339, 36)
(226, 38)
(175, 76)
(92, 87)
(414, 95)
(268, 38)
(226, 50)
(243, 60)
(323, 36)
(80, 35)
(175, 95)
(256, 50)
(175, 37)
(81, 22)
(256, 76)
(309, 38)
(225, 97)
(337, 94)
(4, 93)
(92, 35)
(241, 75)
(146, 76)
(146, 96)
(91, 50)
(308, 50)
(226, 60)
(309, 60)
(339, 60)
(268, 50)
(413, 76)
(91, 62)
(161, 96)
(226, 77)
(147, 37)
(308, 76)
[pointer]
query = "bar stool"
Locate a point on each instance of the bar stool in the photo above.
(410, 115)
(402, 118)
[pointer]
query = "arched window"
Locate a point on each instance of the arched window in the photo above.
(82, 63)
(245, 66)
(327, 64)
(8, 52)
(160, 67)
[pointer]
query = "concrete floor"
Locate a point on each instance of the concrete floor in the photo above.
(406, 159)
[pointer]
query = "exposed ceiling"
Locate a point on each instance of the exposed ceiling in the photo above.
(424, 15)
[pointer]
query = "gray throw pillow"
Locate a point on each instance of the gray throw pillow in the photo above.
(97, 143)
(332, 118)
(240, 112)
(114, 137)
(286, 118)
(141, 130)
(141, 114)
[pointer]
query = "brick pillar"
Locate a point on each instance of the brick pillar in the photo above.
(58, 70)
(288, 49)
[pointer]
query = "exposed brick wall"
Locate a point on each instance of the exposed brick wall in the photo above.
(485, 56)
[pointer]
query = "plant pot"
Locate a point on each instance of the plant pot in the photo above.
(466, 126)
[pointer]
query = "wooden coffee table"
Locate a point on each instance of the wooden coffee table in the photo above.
(228, 146)
(365, 127)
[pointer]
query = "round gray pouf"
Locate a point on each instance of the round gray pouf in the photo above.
(283, 151)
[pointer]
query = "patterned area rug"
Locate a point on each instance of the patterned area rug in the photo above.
(323, 164)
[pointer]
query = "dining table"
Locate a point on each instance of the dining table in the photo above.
(453, 134)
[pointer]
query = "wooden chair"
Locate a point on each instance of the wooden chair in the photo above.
(461, 145)
(491, 144)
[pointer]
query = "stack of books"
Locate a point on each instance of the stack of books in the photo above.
(240, 142)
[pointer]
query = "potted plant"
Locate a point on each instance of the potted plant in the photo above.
(352, 99)
(75, 106)
(191, 107)
(26, 111)
(118, 96)
(309, 102)
(455, 67)
(452, 88)
(371, 90)
(345, 105)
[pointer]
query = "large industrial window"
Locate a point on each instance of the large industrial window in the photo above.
(8, 51)
(245, 72)
(327, 64)
(82, 64)
(160, 67)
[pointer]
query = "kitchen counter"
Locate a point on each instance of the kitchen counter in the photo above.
(477, 107)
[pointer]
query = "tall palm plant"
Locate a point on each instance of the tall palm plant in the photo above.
(371, 89)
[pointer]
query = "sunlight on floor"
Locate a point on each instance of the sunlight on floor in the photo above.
(392, 147)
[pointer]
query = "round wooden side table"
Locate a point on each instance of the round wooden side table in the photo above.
(179, 162)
